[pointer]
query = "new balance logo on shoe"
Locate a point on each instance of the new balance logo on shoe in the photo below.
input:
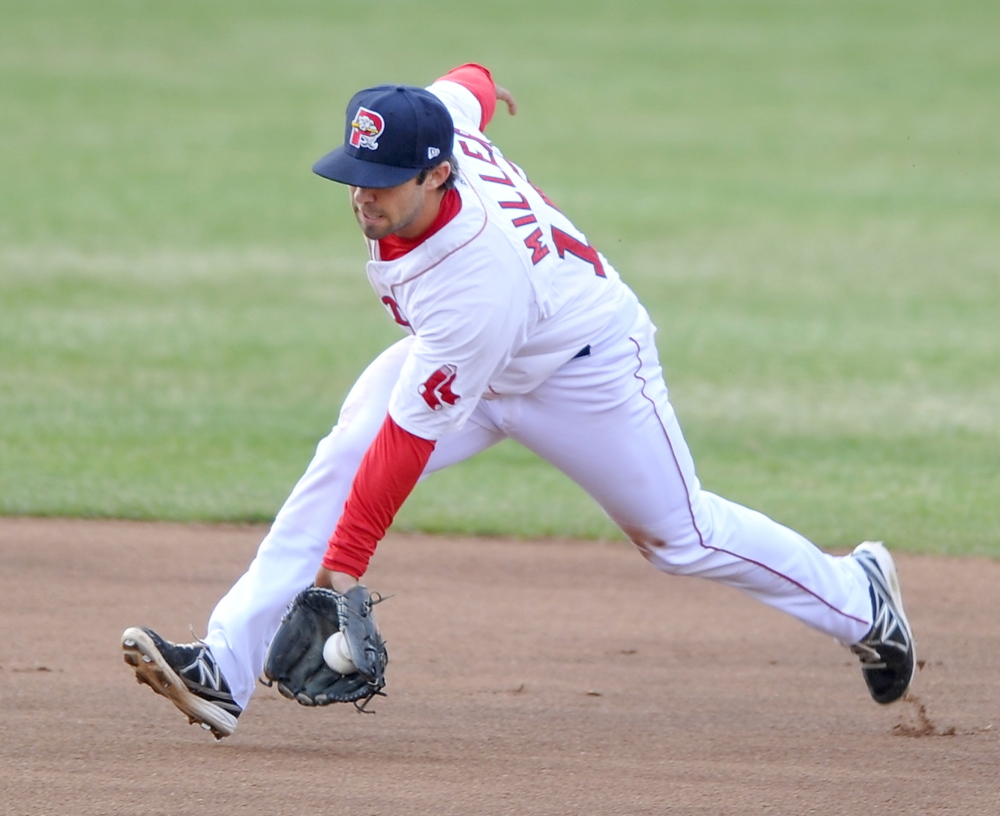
(202, 676)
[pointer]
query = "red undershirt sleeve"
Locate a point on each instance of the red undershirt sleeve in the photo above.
(388, 473)
(479, 81)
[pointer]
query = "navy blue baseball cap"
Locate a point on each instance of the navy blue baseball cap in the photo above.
(392, 132)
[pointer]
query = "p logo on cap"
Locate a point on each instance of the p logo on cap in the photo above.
(391, 133)
(366, 127)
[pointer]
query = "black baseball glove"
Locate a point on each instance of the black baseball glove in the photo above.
(295, 659)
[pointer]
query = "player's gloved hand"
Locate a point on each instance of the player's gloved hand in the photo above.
(295, 658)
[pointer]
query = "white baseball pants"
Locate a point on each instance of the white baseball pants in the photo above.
(606, 421)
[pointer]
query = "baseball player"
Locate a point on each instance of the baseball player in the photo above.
(517, 327)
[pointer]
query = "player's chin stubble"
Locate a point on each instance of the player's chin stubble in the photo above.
(374, 228)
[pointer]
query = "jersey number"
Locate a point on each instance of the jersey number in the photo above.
(585, 252)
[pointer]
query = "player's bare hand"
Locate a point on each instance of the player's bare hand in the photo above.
(339, 581)
(507, 97)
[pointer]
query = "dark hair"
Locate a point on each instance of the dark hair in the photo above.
(449, 182)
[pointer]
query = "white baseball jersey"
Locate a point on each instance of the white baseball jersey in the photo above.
(503, 295)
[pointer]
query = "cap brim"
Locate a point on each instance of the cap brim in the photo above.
(340, 166)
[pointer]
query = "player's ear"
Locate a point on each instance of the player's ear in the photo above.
(438, 174)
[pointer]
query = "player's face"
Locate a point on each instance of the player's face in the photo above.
(390, 210)
(405, 210)
(385, 211)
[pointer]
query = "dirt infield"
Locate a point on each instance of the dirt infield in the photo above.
(525, 678)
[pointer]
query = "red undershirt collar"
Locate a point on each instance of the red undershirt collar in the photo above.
(392, 246)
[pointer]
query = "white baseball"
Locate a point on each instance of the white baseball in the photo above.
(336, 654)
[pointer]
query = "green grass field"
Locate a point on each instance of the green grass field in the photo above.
(806, 195)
